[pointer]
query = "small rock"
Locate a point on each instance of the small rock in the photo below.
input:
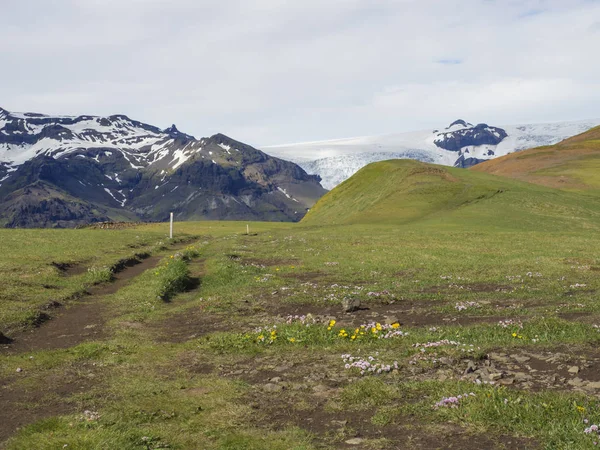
(4, 339)
(275, 380)
(391, 320)
(350, 305)
(19, 370)
(339, 423)
(272, 387)
(521, 358)
(506, 381)
(355, 441)
(594, 384)
(521, 376)
(574, 370)
(576, 382)
(471, 367)
(499, 357)
(495, 376)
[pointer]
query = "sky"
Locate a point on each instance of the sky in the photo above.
(269, 72)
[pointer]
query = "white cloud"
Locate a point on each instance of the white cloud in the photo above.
(273, 71)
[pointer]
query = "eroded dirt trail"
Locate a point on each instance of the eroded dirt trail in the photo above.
(81, 321)
(70, 326)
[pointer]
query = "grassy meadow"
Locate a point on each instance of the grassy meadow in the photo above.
(251, 357)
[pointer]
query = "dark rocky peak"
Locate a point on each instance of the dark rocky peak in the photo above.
(174, 133)
(465, 163)
(119, 117)
(459, 122)
(481, 134)
(171, 130)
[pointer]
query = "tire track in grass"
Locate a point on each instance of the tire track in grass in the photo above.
(83, 320)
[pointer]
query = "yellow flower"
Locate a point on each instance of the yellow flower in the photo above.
(395, 325)
(374, 330)
(331, 323)
(514, 335)
(378, 326)
(580, 409)
(277, 269)
(261, 337)
(292, 340)
(353, 337)
(328, 328)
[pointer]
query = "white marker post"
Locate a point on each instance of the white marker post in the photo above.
(247, 229)
(171, 228)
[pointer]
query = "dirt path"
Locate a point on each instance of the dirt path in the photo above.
(83, 320)
(73, 325)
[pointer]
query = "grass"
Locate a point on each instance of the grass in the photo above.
(404, 192)
(570, 165)
(143, 388)
(250, 358)
(31, 273)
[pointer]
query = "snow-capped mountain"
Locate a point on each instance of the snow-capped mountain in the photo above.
(24, 136)
(61, 171)
(461, 144)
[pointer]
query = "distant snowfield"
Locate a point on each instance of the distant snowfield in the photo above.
(336, 160)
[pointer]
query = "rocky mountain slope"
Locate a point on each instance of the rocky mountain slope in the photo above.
(64, 171)
(461, 144)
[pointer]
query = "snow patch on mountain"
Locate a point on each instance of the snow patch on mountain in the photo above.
(24, 136)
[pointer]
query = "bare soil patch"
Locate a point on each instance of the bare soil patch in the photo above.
(565, 369)
(189, 324)
(304, 276)
(69, 269)
(22, 406)
(280, 409)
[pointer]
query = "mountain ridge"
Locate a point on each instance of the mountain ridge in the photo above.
(123, 167)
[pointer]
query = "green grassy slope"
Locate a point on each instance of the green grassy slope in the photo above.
(573, 164)
(405, 192)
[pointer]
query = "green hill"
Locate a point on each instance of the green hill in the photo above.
(411, 192)
(573, 164)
